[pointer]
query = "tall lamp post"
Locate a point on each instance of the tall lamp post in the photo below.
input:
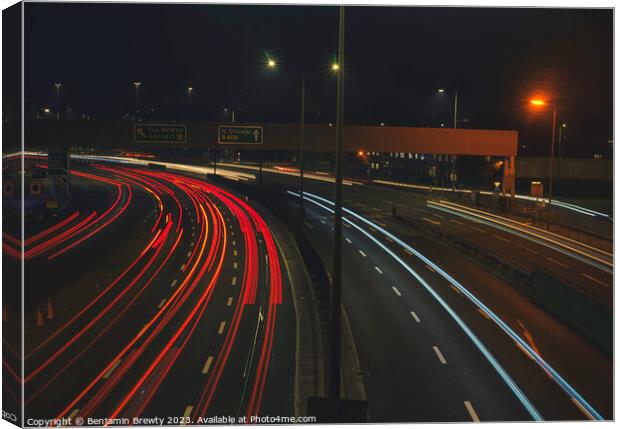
(538, 102)
(334, 385)
(137, 85)
(58, 85)
(456, 103)
(272, 64)
(189, 95)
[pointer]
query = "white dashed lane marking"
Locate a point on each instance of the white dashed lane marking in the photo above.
(471, 411)
(439, 355)
(221, 328)
(205, 368)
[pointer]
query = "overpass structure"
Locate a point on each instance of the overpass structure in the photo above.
(285, 137)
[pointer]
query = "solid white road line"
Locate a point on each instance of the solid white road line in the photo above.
(362, 253)
(439, 355)
(221, 328)
(205, 369)
(378, 270)
(471, 411)
(396, 291)
(415, 316)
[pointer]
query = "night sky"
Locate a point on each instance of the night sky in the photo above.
(395, 60)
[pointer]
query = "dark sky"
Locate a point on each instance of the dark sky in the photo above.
(396, 58)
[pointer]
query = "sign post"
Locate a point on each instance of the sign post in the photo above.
(58, 170)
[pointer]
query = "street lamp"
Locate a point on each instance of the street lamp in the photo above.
(273, 65)
(189, 94)
(58, 85)
(560, 140)
(456, 100)
(137, 85)
(539, 102)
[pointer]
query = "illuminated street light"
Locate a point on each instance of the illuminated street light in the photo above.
(58, 85)
(540, 102)
(137, 85)
(335, 67)
(560, 140)
(189, 94)
(456, 103)
(271, 63)
(46, 110)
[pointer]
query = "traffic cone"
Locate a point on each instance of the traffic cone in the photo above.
(50, 309)
(40, 321)
(5, 313)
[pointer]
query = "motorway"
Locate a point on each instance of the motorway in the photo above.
(586, 370)
(440, 337)
(157, 295)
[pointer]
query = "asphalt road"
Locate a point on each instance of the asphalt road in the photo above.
(582, 365)
(176, 308)
(144, 354)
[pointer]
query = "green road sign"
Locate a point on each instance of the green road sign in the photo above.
(158, 133)
(239, 134)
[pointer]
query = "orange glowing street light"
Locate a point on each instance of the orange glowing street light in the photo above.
(539, 102)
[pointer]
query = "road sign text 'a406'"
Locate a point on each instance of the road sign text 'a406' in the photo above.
(239, 134)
